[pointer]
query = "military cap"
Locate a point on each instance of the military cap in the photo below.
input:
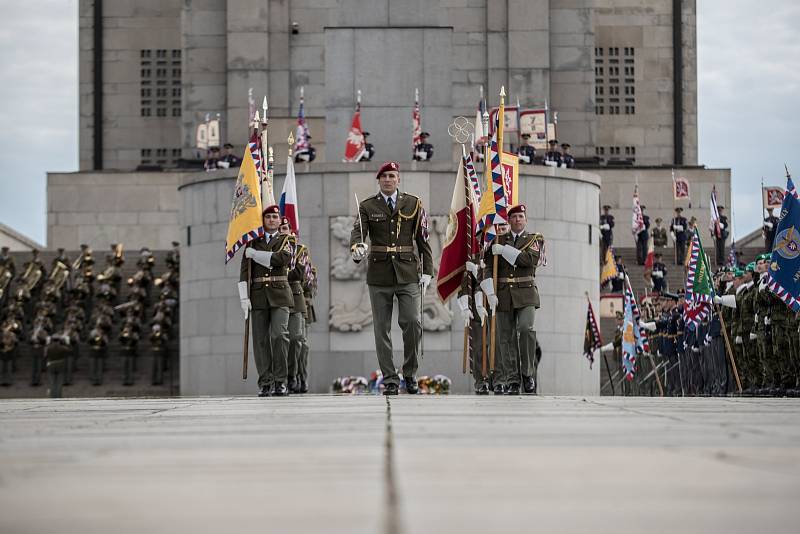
(764, 257)
(751, 267)
(285, 220)
(617, 257)
(565, 145)
(720, 207)
(227, 145)
(214, 149)
(643, 207)
(272, 209)
(4, 249)
(552, 142)
(526, 136)
(365, 134)
(606, 207)
(424, 134)
(659, 219)
(679, 209)
(619, 315)
(175, 243)
(738, 272)
(388, 166)
(659, 255)
(519, 208)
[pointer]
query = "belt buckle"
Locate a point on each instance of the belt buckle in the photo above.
(391, 249)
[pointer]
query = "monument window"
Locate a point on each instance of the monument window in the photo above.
(167, 73)
(598, 110)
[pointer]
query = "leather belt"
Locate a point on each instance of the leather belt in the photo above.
(520, 279)
(271, 279)
(401, 248)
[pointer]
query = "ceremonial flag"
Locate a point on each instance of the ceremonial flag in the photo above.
(773, 197)
(456, 248)
(714, 227)
(785, 261)
(477, 223)
(355, 138)
(510, 168)
(416, 125)
(733, 261)
(494, 202)
(699, 288)
(632, 344)
(591, 335)
(610, 270)
(245, 222)
(680, 187)
(649, 261)
(288, 201)
(480, 135)
(301, 132)
(637, 218)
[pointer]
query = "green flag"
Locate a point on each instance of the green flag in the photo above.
(699, 288)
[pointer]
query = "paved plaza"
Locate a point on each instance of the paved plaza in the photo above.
(415, 464)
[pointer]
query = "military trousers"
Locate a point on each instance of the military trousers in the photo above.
(408, 317)
(297, 327)
(781, 354)
(55, 378)
(680, 252)
(476, 352)
(517, 345)
(302, 364)
(271, 344)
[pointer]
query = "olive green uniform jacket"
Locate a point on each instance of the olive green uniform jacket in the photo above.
(516, 284)
(264, 291)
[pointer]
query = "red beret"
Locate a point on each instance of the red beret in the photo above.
(272, 209)
(519, 208)
(285, 220)
(388, 166)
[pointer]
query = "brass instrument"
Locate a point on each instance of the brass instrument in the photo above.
(57, 279)
(30, 279)
(5, 281)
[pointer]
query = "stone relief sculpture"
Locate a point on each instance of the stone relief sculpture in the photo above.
(350, 308)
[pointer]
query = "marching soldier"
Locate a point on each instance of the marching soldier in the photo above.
(526, 152)
(659, 274)
(567, 160)
(659, 234)
(552, 157)
(270, 299)
(309, 292)
(470, 301)
(298, 309)
(770, 227)
(394, 223)
(424, 150)
(679, 231)
(516, 302)
(744, 348)
(763, 326)
(606, 229)
(56, 353)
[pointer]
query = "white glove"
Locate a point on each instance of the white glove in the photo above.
(65, 338)
(497, 250)
(472, 268)
(762, 284)
(508, 252)
(605, 227)
(621, 276)
(262, 257)
(482, 313)
(769, 225)
(244, 298)
(767, 321)
(422, 155)
(658, 274)
(425, 281)
(678, 227)
(526, 159)
(650, 327)
(463, 304)
(608, 347)
(488, 289)
(738, 340)
(753, 337)
(359, 252)
(223, 164)
(721, 226)
(672, 235)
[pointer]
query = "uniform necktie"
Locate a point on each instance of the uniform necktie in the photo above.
(390, 203)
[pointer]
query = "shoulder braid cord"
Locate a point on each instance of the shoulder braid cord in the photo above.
(408, 217)
(542, 249)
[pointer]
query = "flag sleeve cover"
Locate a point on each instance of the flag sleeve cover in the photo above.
(785, 261)
(456, 242)
(245, 219)
(288, 202)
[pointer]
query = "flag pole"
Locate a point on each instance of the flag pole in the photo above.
(246, 347)
(729, 350)
(468, 199)
(485, 120)
(495, 259)
(674, 205)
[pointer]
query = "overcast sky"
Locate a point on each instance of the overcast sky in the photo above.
(748, 84)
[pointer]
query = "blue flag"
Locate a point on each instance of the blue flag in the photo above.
(784, 265)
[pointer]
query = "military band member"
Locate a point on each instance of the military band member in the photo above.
(567, 159)
(659, 274)
(269, 300)
(679, 231)
(659, 234)
(7, 262)
(424, 150)
(394, 222)
(526, 152)
(606, 229)
(720, 236)
(297, 311)
(770, 227)
(552, 157)
(516, 302)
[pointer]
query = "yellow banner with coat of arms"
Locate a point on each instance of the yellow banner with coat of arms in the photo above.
(246, 219)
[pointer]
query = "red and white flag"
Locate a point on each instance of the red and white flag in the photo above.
(773, 197)
(680, 189)
(637, 218)
(288, 201)
(649, 260)
(416, 125)
(713, 225)
(355, 138)
(459, 240)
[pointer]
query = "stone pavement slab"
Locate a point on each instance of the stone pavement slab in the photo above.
(359, 464)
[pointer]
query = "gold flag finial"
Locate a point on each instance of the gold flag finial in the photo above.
(290, 141)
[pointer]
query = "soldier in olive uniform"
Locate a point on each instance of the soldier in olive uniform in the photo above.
(470, 301)
(763, 327)
(270, 299)
(394, 222)
(516, 302)
(309, 292)
(56, 353)
(298, 310)
(659, 234)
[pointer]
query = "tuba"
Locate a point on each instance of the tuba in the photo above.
(57, 279)
(5, 281)
(30, 279)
